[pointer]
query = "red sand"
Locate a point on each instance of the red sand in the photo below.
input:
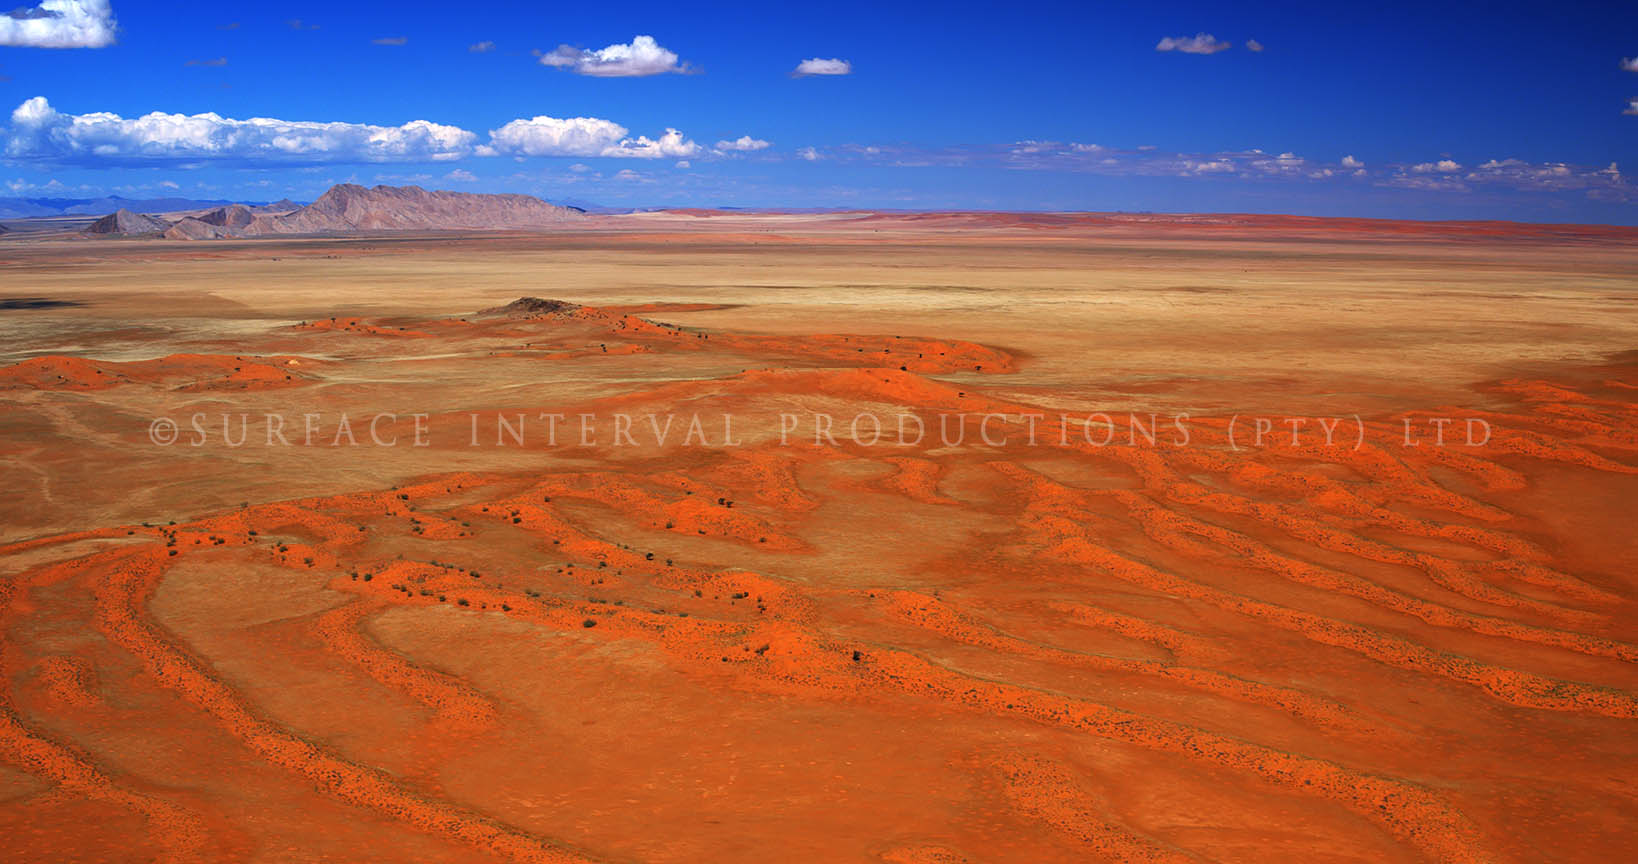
(826, 651)
(183, 371)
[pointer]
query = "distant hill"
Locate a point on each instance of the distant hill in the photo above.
(113, 203)
(123, 223)
(31, 208)
(344, 209)
(233, 216)
(283, 205)
(602, 209)
(349, 208)
(222, 222)
(190, 228)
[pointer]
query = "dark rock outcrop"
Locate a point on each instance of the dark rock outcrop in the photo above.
(530, 307)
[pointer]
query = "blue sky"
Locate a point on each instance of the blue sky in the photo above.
(1463, 110)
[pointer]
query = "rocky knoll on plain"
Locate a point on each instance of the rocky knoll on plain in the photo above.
(195, 229)
(123, 222)
(231, 216)
(349, 208)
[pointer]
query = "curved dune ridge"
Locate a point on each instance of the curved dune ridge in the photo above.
(181, 371)
(1132, 652)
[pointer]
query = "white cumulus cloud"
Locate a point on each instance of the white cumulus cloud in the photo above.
(643, 56)
(1630, 64)
(1199, 43)
(1443, 166)
(1253, 45)
(671, 145)
(39, 131)
(59, 24)
(822, 66)
(1350, 162)
(583, 136)
(552, 136)
(743, 144)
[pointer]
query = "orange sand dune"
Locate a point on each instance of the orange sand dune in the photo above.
(195, 371)
(570, 332)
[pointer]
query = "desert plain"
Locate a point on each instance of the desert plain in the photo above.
(1081, 638)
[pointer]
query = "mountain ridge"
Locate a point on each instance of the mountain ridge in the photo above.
(350, 208)
(345, 209)
(34, 208)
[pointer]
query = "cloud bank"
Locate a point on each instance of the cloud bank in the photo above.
(1199, 43)
(642, 57)
(39, 131)
(1443, 174)
(42, 133)
(821, 66)
(743, 144)
(59, 24)
(583, 136)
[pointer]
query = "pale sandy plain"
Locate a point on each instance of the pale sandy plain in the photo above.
(924, 654)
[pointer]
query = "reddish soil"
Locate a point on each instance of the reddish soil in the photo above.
(182, 371)
(810, 649)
